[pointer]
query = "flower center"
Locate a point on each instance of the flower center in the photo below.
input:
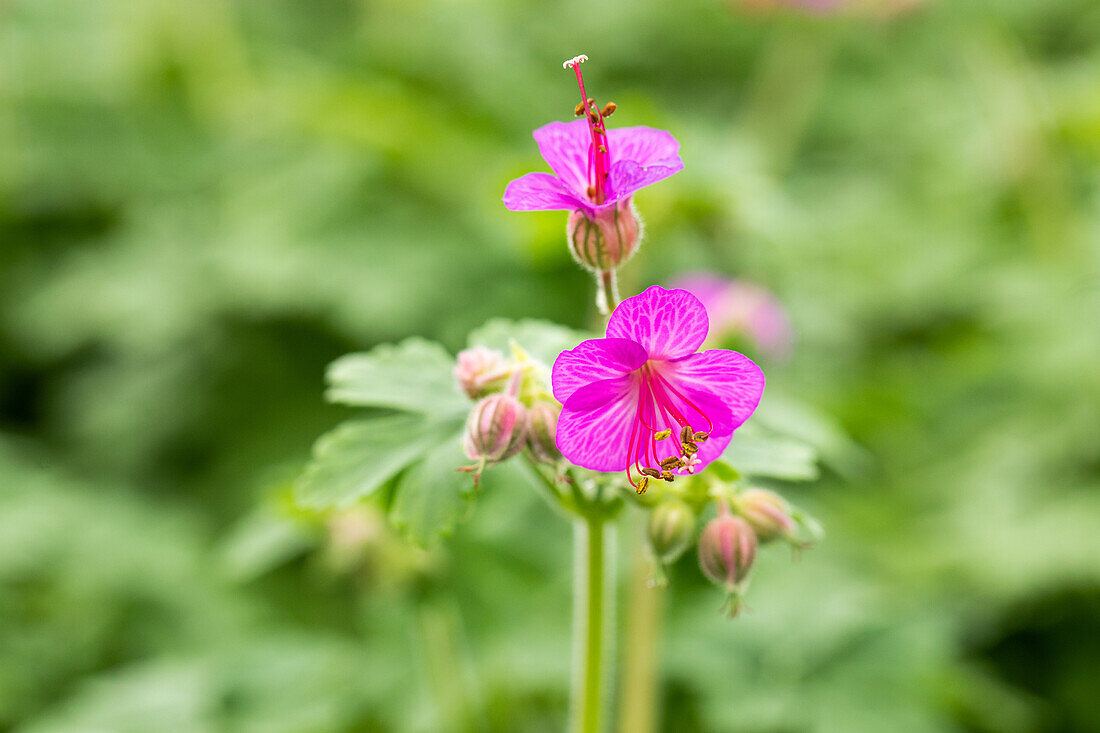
(664, 413)
(599, 159)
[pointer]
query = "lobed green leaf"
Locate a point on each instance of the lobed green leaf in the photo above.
(355, 459)
(412, 376)
(433, 495)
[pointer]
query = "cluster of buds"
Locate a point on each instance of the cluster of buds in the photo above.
(515, 410)
(728, 544)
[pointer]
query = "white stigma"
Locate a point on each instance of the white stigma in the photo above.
(572, 63)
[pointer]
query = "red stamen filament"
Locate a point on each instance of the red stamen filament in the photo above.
(689, 403)
(656, 406)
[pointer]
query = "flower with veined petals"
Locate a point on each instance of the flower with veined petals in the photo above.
(635, 158)
(644, 400)
(594, 168)
(596, 172)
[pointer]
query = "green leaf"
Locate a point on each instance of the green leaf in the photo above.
(412, 376)
(433, 494)
(754, 453)
(359, 456)
(542, 339)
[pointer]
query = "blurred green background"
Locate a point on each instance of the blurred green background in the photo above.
(202, 203)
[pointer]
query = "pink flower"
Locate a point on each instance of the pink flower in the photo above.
(594, 168)
(739, 307)
(643, 401)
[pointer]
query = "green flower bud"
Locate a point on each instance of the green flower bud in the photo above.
(605, 240)
(767, 513)
(671, 529)
(727, 549)
(542, 426)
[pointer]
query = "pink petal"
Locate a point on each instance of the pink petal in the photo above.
(722, 425)
(640, 156)
(564, 146)
(592, 361)
(729, 377)
(597, 422)
(627, 177)
(540, 192)
(646, 146)
(669, 324)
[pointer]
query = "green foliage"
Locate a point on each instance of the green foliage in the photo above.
(432, 495)
(356, 459)
(413, 376)
(202, 204)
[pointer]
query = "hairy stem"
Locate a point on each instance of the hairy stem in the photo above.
(610, 283)
(593, 586)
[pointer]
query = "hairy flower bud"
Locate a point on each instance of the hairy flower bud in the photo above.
(606, 240)
(727, 549)
(495, 429)
(480, 370)
(670, 530)
(767, 513)
(542, 428)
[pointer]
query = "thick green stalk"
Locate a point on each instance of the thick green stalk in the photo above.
(593, 587)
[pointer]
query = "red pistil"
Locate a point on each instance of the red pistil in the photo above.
(599, 157)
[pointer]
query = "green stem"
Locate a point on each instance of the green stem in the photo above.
(638, 692)
(593, 583)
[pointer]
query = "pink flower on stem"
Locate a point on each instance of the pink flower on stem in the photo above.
(594, 168)
(596, 172)
(642, 400)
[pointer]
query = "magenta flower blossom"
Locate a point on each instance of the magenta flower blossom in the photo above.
(740, 307)
(595, 169)
(636, 157)
(642, 400)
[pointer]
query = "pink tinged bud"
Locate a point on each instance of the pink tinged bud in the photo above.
(542, 429)
(480, 371)
(670, 530)
(495, 429)
(727, 549)
(606, 239)
(767, 513)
